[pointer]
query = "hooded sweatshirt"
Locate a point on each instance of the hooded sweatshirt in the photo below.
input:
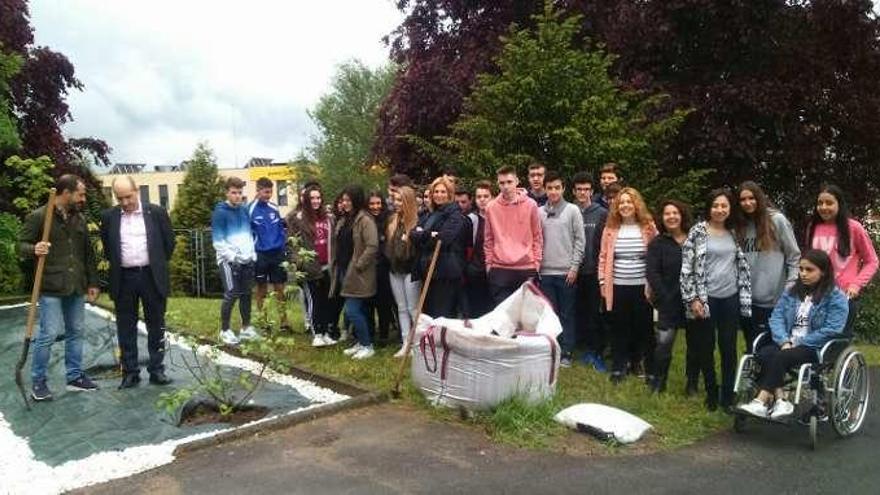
(774, 269)
(231, 234)
(563, 230)
(513, 236)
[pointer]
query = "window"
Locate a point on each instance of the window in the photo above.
(163, 196)
(145, 194)
(281, 186)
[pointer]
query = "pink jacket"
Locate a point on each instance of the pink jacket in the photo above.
(606, 260)
(513, 238)
(861, 265)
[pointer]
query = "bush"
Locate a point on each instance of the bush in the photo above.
(10, 272)
(181, 268)
(867, 325)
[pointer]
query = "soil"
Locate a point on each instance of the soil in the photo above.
(205, 413)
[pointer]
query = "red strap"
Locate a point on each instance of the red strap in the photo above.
(428, 339)
(445, 354)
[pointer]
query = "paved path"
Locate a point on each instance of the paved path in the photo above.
(388, 449)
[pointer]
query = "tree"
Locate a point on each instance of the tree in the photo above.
(200, 191)
(346, 118)
(38, 93)
(10, 65)
(554, 101)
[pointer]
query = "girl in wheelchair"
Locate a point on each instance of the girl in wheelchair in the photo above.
(806, 317)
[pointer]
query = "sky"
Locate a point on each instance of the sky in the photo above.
(162, 76)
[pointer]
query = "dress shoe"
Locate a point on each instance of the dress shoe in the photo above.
(130, 380)
(159, 378)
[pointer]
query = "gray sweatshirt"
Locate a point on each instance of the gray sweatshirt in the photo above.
(773, 270)
(563, 227)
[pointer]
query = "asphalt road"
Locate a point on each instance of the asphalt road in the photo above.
(387, 449)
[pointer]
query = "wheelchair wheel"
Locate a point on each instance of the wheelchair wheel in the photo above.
(814, 431)
(849, 401)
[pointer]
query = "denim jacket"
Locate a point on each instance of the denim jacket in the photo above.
(827, 319)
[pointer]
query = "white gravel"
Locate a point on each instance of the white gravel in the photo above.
(21, 473)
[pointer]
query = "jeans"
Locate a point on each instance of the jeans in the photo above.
(59, 316)
(316, 298)
(588, 316)
(237, 283)
(562, 296)
(356, 312)
(723, 319)
(776, 362)
(138, 288)
(406, 295)
(632, 325)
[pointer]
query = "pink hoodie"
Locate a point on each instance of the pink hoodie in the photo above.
(513, 238)
(861, 265)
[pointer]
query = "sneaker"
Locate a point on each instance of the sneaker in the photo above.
(228, 337)
(353, 349)
(781, 408)
(402, 352)
(40, 391)
(82, 384)
(565, 361)
(248, 333)
(318, 340)
(364, 353)
(755, 408)
(328, 340)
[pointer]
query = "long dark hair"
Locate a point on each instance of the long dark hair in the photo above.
(358, 199)
(310, 215)
(730, 223)
(764, 229)
(383, 213)
(842, 220)
(683, 210)
(826, 283)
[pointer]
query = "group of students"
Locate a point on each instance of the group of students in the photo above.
(604, 261)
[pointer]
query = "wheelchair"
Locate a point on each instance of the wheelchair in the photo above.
(835, 390)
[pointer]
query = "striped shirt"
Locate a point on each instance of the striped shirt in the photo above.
(629, 256)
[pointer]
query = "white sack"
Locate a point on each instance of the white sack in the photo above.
(461, 363)
(604, 421)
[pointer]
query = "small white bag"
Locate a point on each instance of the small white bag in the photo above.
(604, 422)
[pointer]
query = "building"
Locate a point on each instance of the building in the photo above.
(160, 184)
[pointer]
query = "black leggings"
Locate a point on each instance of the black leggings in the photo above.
(775, 363)
(631, 324)
(319, 311)
(723, 319)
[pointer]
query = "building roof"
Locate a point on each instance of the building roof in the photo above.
(127, 168)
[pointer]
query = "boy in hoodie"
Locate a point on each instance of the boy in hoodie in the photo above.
(563, 231)
(234, 244)
(588, 316)
(270, 238)
(513, 242)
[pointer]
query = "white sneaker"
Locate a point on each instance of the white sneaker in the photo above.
(228, 337)
(328, 340)
(402, 352)
(248, 333)
(318, 341)
(781, 409)
(755, 408)
(353, 349)
(364, 353)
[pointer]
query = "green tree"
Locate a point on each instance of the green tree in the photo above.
(201, 190)
(553, 100)
(10, 65)
(347, 119)
(28, 180)
(181, 266)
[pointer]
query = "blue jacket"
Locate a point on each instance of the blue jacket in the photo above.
(827, 319)
(267, 226)
(231, 234)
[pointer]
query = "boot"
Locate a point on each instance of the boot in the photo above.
(712, 397)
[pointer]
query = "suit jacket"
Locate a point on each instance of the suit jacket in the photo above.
(160, 245)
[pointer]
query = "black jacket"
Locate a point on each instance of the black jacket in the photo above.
(448, 222)
(663, 272)
(476, 265)
(160, 245)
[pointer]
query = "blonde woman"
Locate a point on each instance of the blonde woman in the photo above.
(622, 279)
(401, 254)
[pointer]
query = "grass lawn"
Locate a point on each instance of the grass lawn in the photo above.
(677, 420)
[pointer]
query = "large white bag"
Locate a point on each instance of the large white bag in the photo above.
(604, 422)
(479, 363)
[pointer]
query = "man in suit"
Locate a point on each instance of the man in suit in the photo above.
(138, 242)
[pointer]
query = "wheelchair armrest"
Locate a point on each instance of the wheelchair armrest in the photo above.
(762, 338)
(829, 345)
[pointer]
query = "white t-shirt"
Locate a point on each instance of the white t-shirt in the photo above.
(802, 320)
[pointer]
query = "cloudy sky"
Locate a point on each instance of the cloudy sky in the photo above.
(162, 75)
